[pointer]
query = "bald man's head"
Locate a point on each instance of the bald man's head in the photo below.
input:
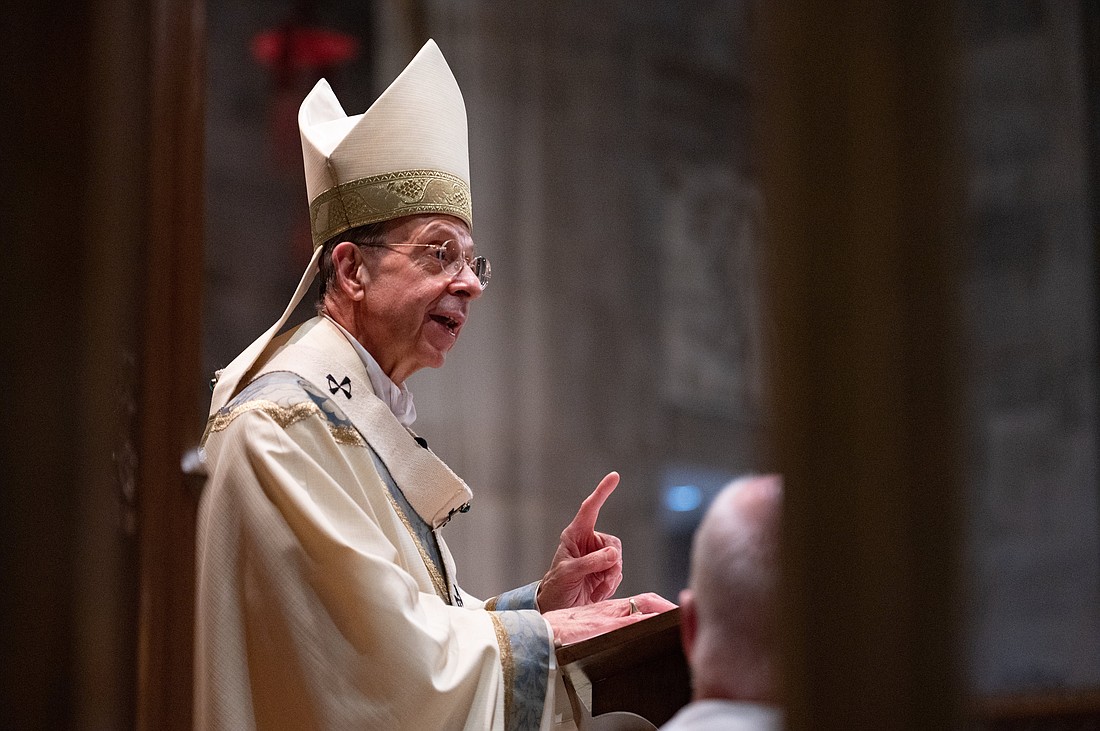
(730, 603)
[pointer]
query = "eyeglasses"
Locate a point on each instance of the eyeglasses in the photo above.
(448, 254)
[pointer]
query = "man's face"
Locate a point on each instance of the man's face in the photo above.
(412, 312)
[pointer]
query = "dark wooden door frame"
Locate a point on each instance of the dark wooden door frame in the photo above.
(170, 364)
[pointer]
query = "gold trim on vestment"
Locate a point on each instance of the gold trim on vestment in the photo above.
(491, 604)
(433, 572)
(507, 663)
(387, 196)
(347, 436)
(284, 416)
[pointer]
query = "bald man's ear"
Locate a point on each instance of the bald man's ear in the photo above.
(350, 270)
(689, 622)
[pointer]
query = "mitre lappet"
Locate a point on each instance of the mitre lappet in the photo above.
(407, 154)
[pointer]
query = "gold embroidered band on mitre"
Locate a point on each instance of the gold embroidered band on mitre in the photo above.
(385, 197)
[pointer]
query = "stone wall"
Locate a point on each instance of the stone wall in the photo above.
(1029, 299)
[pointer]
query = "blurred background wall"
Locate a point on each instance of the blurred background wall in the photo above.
(618, 190)
(1028, 294)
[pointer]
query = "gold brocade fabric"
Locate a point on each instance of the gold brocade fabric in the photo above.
(284, 416)
(507, 663)
(385, 197)
(437, 578)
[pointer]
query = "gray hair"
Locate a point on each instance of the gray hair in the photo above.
(370, 234)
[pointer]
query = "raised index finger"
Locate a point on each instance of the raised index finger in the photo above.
(590, 507)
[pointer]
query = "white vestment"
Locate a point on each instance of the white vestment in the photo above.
(326, 597)
(715, 714)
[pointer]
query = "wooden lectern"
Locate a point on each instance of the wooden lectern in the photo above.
(632, 679)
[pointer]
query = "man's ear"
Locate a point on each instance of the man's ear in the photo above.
(350, 270)
(689, 622)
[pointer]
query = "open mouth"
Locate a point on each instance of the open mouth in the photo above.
(447, 322)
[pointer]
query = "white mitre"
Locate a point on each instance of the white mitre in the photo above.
(408, 154)
(405, 155)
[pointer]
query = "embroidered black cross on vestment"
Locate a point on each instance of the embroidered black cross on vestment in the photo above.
(344, 385)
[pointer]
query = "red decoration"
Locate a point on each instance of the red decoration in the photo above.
(298, 48)
(297, 55)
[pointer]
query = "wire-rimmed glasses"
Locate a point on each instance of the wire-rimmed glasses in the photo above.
(448, 254)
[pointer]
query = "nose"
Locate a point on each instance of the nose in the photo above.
(466, 283)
